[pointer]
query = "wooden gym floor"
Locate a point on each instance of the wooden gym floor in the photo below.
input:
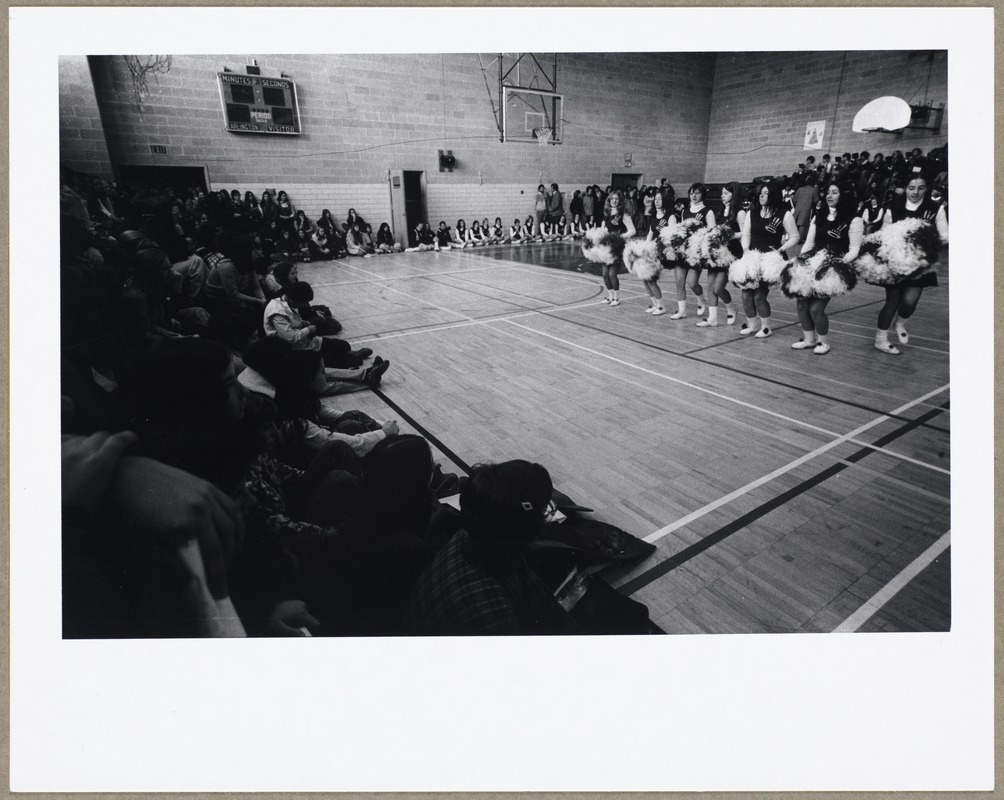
(785, 491)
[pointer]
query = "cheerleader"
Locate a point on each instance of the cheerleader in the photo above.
(661, 217)
(615, 221)
(528, 235)
(498, 232)
(687, 276)
(767, 228)
(732, 215)
(460, 235)
(564, 230)
(443, 241)
(901, 299)
(474, 235)
(578, 228)
(822, 269)
(486, 232)
(515, 235)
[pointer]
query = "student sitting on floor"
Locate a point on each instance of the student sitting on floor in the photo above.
(460, 235)
(385, 240)
(515, 234)
(425, 239)
(443, 236)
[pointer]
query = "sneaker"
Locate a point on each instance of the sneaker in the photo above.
(678, 315)
(746, 330)
(650, 309)
(887, 348)
(606, 299)
(658, 312)
(615, 302)
(706, 324)
(821, 349)
(763, 333)
(801, 344)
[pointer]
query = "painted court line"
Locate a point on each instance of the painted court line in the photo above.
(878, 600)
(872, 337)
(353, 266)
(743, 403)
(408, 276)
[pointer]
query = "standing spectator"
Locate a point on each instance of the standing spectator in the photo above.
(805, 201)
(588, 201)
(539, 209)
(555, 204)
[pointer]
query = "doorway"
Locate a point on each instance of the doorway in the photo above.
(414, 202)
(626, 180)
(162, 177)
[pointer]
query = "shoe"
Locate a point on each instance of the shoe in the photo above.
(362, 352)
(606, 300)
(821, 349)
(650, 309)
(701, 308)
(763, 333)
(746, 330)
(706, 324)
(902, 335)
(615, 302)
(730, 319)
(887, 348)
(678, 315)
(801, 344)
(372, 376)
(658, 312)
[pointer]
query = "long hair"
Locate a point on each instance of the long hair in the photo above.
(736, 203)
(847, 205)
(775, 200)
(620, 206)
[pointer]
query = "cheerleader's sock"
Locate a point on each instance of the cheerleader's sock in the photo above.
(765, 330)
(904, 337)
(749, 326)
(808, 340)
(681, 310)
(823, 347)
(712, 320)
(882, 343)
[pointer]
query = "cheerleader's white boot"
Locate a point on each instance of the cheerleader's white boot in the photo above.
(807, 341)
(730, 314)
(615, 300)
(749, 326)
(681, 310)
(902, 335)
(882, 343)
(823, 347)
(712, 320)
(659, 309)
(765, 330)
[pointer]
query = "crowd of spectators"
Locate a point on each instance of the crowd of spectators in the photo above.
(207, 488)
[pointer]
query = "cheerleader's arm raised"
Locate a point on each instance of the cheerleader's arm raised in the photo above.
(791, 234)
(854, 233)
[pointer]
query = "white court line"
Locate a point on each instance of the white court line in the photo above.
(406, 277)
(872, 329)
(875, 603)
(872, 337)
(743, 403)
(353, 266)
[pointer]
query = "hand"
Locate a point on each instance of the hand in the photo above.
(89, 463)
(390, 427)
(288, 617)
(168, 507)
(312, 330)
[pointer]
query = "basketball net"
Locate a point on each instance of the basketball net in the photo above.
(543, 135)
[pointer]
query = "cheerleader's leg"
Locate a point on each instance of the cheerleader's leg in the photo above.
(680, 273)
(749, 309)
(911, 296)
(893, 298)
(615, 285)
(808, 339)
(693, 276)
(817, 310)
(763, 309)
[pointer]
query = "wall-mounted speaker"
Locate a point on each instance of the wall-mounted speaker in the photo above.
(446, 161)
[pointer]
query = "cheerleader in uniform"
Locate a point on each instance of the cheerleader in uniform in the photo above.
(661, 217)
(498, 231)
(687, 276)
(616, 222)
(718, 275)
(528, 229)
(474, 236)
(823, 269)
(486, 232)
(901, 298)
(460, 235)
(516, 232)
(770, 229)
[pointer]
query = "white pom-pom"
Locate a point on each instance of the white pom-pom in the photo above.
(745, 272)
(596, 249)
(771, 264)
(641, 258)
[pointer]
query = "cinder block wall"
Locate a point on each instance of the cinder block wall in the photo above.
(365, 114)
(81, 134)
(762, 102)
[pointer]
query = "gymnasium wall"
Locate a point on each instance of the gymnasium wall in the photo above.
(81, 136)
(365, 114)
(762, 102)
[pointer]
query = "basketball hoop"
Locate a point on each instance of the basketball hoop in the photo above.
(543, 135)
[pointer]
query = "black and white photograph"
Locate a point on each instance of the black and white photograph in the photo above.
(489, 358)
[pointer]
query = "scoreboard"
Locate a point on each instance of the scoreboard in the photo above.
(254, 104)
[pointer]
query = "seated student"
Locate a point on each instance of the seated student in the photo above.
(356, 244)
(232, 286)
(563, 230)
(367, 231)
(486, 232)
(205, 244)
(320, 249)
(285, 273)
(302, 245)
(282, 320)
(443, 236)
(480, 582)
(302, 223)
(515, 234)
(548, 231)
(352, 219)
(385, 240)
(425, 239)
(498, 231)
(287, 245)
(460, 235)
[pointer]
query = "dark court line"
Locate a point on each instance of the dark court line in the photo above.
(723, 533)
(424, 431)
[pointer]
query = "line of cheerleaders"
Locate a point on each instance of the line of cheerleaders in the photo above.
(762, 248)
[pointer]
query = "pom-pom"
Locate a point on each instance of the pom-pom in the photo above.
(642, 259)
(602, 246)
(771, 264)
(715, 251)
(817, 274)
(745, 272)
(674, 238)
(695, 242)
(900, 251)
